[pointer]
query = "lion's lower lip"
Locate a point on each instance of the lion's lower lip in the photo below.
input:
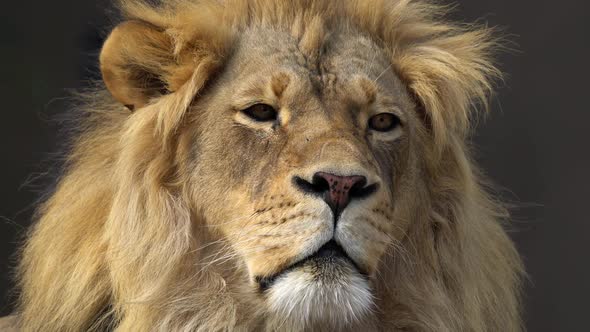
(330, 250)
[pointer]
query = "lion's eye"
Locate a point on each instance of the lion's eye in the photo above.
(261, 112)
(384, 122)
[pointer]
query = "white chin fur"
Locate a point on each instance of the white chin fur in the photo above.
(300, 300)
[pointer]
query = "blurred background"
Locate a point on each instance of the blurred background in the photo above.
(534, 145)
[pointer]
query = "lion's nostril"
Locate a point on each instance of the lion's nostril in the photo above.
(321, 184)
(336, 190)
(316, 186)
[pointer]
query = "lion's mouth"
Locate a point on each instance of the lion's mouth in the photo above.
(329, 255)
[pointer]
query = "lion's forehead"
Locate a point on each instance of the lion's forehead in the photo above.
(330, 67)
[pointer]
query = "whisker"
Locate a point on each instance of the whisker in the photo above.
(383, 72)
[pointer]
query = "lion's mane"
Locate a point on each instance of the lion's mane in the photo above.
(119, 218)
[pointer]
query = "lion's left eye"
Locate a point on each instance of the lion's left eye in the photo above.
(261, 112)
(384, 122)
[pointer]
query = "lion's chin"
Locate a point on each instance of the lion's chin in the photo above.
(326, 291)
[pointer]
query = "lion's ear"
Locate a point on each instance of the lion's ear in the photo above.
(135, 62)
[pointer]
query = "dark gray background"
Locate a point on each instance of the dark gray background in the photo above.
(534, 144)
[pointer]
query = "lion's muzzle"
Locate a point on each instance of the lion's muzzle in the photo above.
(326, 264)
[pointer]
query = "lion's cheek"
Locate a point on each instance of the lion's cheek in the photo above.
(271, 260)
(366, 253)
(366, 234)
(269, 256)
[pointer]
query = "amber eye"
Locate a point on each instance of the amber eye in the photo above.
(261, 112)
(384, 122)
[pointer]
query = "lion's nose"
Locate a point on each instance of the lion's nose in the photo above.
(336, 190)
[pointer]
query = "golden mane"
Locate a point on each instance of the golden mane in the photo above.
(119, 220)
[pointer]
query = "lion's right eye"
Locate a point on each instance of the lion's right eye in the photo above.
(384, 122)
(261, 112)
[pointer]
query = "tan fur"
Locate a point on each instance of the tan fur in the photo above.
(165, 215)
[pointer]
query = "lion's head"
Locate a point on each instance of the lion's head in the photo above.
(296, 165)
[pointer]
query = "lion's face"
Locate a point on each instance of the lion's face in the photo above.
(300, 163)
(264, 165)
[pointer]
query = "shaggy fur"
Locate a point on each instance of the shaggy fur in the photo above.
(141, 232)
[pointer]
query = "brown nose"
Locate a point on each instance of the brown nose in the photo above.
(337, 190)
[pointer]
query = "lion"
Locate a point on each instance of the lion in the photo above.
(258, 165)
